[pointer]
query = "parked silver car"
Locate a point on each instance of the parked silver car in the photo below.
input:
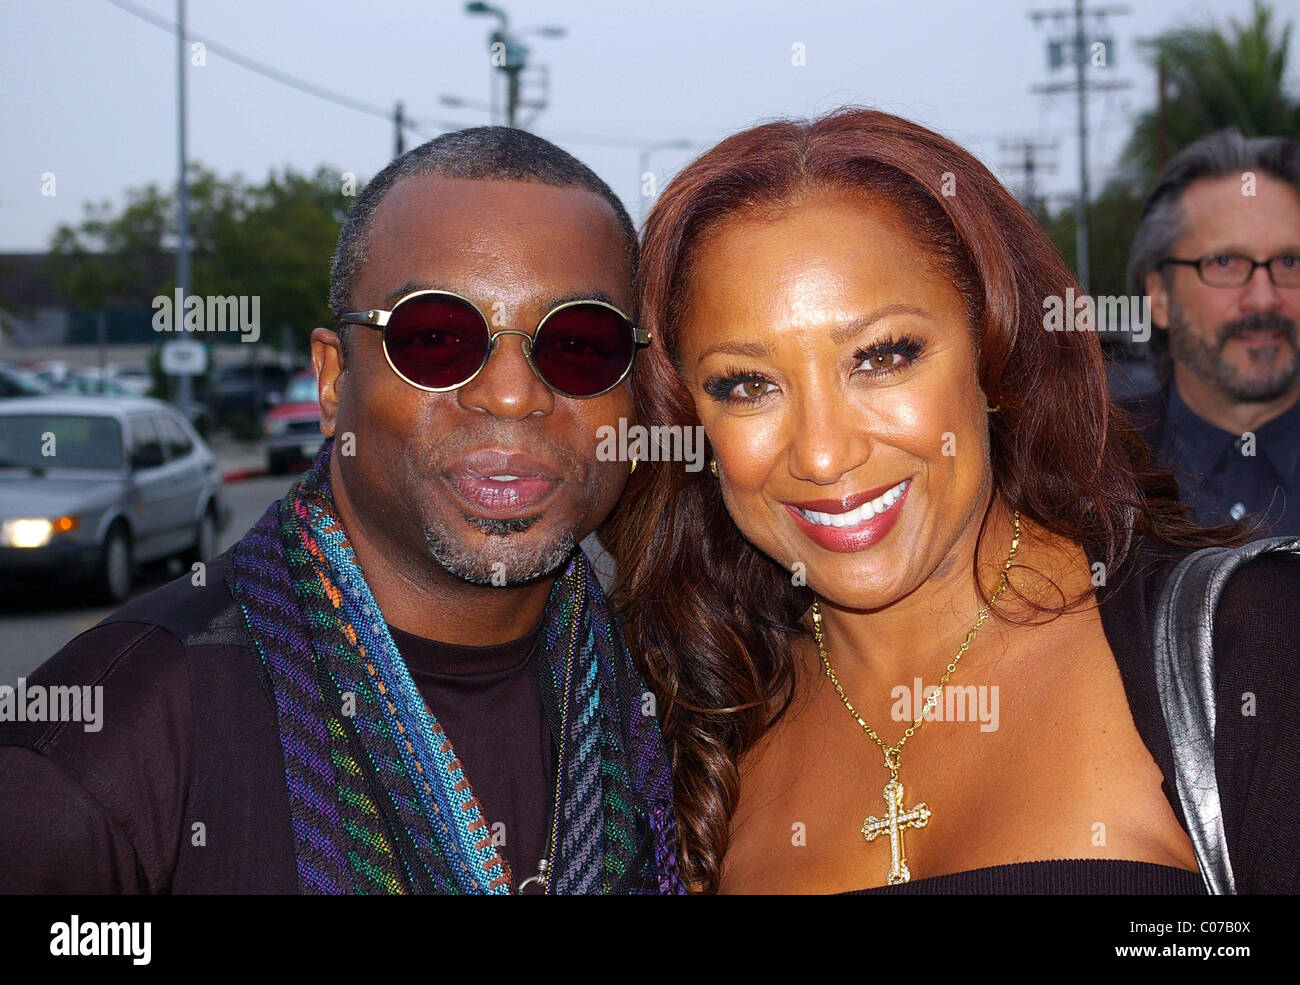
(92, 487)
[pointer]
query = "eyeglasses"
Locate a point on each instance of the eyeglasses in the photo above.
(1234, 270)
(438, 341)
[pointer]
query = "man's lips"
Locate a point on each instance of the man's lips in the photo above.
(1262, 330)
(501, 484)
(1260, 343)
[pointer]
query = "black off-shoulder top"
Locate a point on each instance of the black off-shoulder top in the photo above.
(1257, 742)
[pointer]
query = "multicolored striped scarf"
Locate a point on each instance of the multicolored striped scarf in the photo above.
(379, 801)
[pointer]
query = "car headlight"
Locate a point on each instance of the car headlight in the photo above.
(35, 532)
(275, 425)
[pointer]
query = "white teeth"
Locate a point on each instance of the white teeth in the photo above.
(860, 515)
(503, 478)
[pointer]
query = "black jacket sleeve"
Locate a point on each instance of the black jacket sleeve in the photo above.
(98, 807)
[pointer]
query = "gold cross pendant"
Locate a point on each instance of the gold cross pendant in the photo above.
(895, 820)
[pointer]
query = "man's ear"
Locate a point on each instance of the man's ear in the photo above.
(327, 361)
(1159, 295)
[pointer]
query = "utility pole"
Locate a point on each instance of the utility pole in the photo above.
(643, 165)
(1080, 81)
(182, 197)
(1024, 161)
(101, 339)
(1162, 115)
(1078, 44)
(399, 137)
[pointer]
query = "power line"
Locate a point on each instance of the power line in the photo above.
(275, 75)
(424, 126)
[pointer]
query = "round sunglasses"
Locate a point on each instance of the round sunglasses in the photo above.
(438, 341)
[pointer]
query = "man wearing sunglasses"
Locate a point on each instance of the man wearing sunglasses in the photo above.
(1218, 252)
(405, 677)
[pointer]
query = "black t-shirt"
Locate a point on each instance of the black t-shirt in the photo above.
(488, 702)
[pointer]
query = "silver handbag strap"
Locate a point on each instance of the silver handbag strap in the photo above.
(1185, 679)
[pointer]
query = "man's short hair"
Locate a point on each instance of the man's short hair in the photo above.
(479, 153)
(1222, 153)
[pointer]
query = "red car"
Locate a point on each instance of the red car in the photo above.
(292, 427)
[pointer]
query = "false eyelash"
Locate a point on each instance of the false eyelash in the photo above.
(907, 346)
(720, 386)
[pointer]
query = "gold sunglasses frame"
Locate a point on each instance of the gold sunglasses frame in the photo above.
(378, 318)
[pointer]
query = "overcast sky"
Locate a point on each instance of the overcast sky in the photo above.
(89, 89)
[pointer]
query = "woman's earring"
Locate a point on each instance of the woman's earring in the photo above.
(713, 467)
(633, 468)
(993, 410)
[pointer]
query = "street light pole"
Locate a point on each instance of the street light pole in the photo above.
(182, 194)
(510, 57)
(512, 87)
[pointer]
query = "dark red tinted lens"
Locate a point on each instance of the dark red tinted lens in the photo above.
(583, 349)
(436, 340)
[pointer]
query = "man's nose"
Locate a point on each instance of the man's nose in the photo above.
(507, 388)
(1260, 296)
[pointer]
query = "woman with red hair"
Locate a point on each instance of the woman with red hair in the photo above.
(900, 629)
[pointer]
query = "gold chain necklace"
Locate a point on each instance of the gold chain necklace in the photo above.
(897, 818)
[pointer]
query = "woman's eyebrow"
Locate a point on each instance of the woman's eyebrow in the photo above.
(846, 332)
(859, 325)
(755, 350)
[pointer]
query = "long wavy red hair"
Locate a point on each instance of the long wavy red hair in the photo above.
(709, 618)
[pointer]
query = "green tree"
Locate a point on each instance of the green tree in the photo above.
(275, 241)
(272, 240)
(106, 257)
(1112, 222)
(1213, 79)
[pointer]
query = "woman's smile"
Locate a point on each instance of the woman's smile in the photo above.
(854, 523)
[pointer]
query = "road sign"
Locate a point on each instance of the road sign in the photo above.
(184, 357)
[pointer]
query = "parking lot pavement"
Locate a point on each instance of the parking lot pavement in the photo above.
(237, 459)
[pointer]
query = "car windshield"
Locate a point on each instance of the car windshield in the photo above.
(64, 441)
(19, 382)
(302, 391)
